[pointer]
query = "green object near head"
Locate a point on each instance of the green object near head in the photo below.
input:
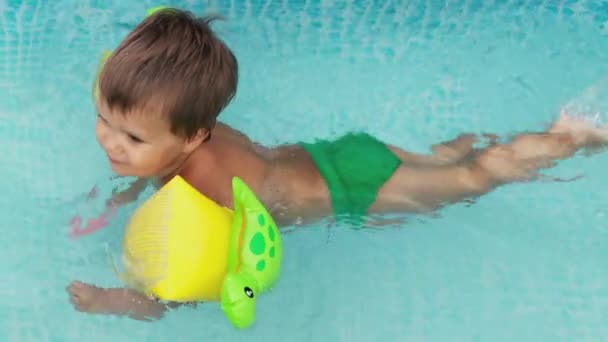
(106, 54)
(153, 10)
(255, 252)
(104, 57)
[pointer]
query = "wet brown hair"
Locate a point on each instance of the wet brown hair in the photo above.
(172, 63)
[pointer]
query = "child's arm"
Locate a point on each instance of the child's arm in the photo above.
(80, 227)
(128, 195)
(116, 301)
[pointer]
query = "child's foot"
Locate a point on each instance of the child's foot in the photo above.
(89, 298)
(461, 147)
(584, 133)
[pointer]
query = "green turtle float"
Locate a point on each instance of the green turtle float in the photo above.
(181, 246)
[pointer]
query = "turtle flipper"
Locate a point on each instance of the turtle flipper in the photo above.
(239, 295)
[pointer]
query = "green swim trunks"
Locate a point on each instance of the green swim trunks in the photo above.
(354, 167)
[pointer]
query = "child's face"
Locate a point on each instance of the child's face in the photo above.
(140, 144)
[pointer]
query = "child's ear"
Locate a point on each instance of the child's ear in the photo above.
(192, 143)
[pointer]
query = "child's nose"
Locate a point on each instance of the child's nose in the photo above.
(111, 143)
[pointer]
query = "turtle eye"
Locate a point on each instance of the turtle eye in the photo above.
(248, 292)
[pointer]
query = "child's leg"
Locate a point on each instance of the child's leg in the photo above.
(449, 152)
(420, 189)
(116, 301)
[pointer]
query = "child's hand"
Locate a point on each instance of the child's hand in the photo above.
(76, 225)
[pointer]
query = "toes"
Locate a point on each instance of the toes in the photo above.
(490, 138)
(467, 138)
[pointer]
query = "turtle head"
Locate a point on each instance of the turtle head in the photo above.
(239, 292)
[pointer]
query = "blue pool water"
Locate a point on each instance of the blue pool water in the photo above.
(528, 262)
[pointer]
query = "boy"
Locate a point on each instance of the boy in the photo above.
(159, 97)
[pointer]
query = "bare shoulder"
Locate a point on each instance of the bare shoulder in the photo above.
(235, 136)
(225, 131)
(211, 167)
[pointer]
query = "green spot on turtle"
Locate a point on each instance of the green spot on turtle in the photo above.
(260, 265)
(271, 252)
(261, 220)
(271, 232)
(257, 244)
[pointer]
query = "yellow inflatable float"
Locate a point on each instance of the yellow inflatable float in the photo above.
(181, 246)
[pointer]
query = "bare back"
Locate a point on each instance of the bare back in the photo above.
(285, 177)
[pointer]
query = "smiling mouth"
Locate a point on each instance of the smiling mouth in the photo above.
(114, 161)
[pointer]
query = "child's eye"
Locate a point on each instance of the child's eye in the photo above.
(135, 139)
